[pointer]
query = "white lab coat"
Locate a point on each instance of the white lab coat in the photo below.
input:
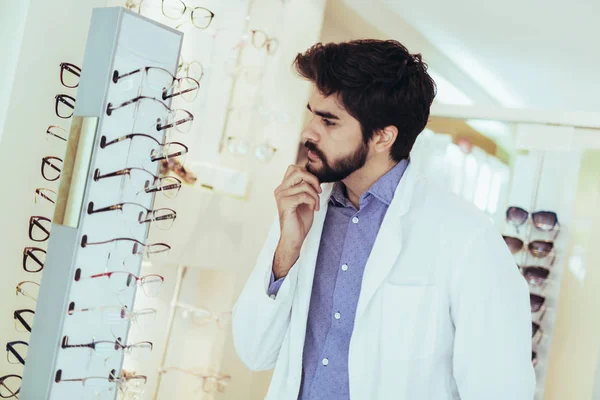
(443, 312)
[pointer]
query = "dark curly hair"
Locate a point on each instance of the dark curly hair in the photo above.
(379, 83)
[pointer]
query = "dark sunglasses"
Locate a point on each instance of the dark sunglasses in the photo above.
(542, 220)
(39, 228)
(33, 259)
(536, 276)
(537, 248)
(536, 302)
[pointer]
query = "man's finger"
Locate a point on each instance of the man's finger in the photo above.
(301, 188)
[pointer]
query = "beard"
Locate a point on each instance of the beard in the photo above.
(334, 171)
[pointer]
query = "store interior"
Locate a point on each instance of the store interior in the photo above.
(514, 130)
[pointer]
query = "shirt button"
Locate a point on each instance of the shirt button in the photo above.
(355, 220)
(325, 361)
(337, 315)
(345, 267)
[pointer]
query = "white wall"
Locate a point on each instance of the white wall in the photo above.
(12, 28)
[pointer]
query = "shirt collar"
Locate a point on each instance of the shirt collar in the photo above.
(383, 189)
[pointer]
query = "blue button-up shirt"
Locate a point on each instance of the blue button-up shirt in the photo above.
(346, 243)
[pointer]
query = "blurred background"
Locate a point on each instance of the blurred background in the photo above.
(515, 124)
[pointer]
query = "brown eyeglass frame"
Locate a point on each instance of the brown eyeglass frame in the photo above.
(165, 91)
(49, 132)
(40, 192)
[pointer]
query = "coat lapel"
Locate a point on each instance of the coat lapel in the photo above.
(388, 245)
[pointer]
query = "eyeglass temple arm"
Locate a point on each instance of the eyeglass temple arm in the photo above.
(98, 176)
(91, 210)
(47, 161)
(116, 75)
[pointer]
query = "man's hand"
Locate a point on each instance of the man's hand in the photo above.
(297, 200)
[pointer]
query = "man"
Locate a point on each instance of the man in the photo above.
(373, 283)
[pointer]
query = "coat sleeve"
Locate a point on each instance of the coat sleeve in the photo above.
(260, 321)
(492, 318)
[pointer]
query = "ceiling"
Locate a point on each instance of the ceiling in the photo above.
(521, 53)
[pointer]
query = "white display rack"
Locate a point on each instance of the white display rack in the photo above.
(124, 41)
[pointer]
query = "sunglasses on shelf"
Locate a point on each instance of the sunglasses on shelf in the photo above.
(145, 181)
(69, 74)
(39, 228)
(536, 276)
(23, 319)
(542, 220)
(51, 168)
(10, 386)
(179, 119)
(33, 259)
(156, 150)
(64, 106)
(13, 355)
(537, 248)
(57, 132)
(536, 302)
(160, 79)
(162, 218)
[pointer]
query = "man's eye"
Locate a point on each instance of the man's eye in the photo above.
(328, 122)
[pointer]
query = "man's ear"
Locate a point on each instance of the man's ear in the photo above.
(384, 138)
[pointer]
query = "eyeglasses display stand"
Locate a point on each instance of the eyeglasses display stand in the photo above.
(80, 306)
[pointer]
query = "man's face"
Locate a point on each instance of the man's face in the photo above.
(334, 140)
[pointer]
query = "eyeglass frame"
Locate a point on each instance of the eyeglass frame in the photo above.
(39, 192)
(60, 98)
(130, 136)
(85, 243)
(165, 91)
(19, 289)
(147, 187)
(46, 160)
(3, 378)
(33, 222)
(28, 252)
(74, 69)
(17, 316)
(118, 344)
(147, 219)
(10, 347)
(48, 132)
(159, 127)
